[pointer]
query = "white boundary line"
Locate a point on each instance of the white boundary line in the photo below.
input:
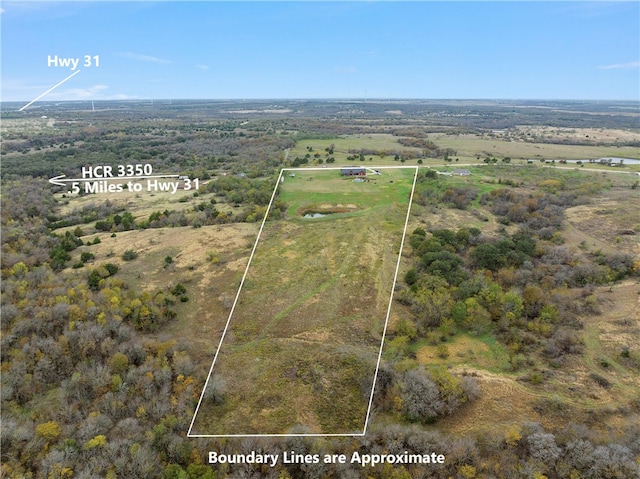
(233, 307)
(224, 332)
(49, 90)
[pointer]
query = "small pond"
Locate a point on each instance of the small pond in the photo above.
(311, 211)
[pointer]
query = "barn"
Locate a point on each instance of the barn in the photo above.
(353, 171)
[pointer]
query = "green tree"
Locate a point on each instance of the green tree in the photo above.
(411, 276)
(488, 256)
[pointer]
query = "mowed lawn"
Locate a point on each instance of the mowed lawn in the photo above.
(307, 188)
(303, 341)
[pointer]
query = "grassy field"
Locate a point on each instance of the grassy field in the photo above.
(469, 146)
(208, 261)
(141, 204)
(375, 141)
(303, 340)
(470, 149)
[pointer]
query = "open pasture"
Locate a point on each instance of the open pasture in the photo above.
(473, 146)
(303, 340)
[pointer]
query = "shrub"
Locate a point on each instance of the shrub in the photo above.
(178, 290)
(129, 255)
(97, 441)
(94, 280)
(420, 396)
(561, 343)
(216, 389)
(535, 378)
(215, 257)
(443, 351)
(86, 256)
(467, 471)
(542, 447)
(48, 430)
(600, 380)
(111, 268)
(513, 434)
(119, 363)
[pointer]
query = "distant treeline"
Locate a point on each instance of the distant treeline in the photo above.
(429, 150)
(168, 148)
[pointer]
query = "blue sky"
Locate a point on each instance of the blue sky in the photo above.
(298, 49)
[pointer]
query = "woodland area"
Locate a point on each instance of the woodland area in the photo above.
(91, 388)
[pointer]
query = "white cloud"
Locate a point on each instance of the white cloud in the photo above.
(620, 66)
(142, 58)
(122, 96)
(21, 90)
(202, 67)
(71, 94)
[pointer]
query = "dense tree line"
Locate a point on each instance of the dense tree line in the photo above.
(171, 148)
(427, 150)
(79, 385)
(513, 285)
(238, 190)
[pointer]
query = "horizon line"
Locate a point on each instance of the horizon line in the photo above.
(328, 99)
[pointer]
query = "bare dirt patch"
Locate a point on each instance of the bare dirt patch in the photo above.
(454, 219)
(610, 223)
(503, 401)
(596, 136)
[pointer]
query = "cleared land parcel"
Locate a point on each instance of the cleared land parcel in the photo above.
(302, 346)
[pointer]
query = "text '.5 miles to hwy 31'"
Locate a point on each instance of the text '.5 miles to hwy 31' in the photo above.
(97, 179)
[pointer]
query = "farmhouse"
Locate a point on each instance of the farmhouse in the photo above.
(459, 172)
(353, 171)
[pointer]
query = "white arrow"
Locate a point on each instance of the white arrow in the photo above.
(57, 180)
